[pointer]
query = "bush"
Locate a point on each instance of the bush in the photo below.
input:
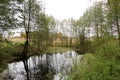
(109, 51)
(103, 65)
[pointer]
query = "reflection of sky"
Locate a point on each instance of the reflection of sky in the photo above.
(56, 62)
(16, 71)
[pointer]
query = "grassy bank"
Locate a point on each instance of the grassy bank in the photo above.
(51, 50)
(8, 52)
(104, 64)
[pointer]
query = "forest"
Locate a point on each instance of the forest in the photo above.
(95, 36)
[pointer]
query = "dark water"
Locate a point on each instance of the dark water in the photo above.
(42, 67)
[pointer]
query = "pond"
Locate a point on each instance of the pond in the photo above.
(43, 67)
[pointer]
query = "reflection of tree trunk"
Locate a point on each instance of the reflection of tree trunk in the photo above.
(26, 68)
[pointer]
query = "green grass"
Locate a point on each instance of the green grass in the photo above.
(104, 64)
(51, 50)
(8, 52)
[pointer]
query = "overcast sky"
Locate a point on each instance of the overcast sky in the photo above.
(61, 9)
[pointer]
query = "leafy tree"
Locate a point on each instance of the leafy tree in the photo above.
(28, 14)
(51, 25)
(113, 15)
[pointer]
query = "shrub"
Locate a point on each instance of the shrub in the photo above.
(103, 65)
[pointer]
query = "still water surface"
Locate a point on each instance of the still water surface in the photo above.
(43, 67)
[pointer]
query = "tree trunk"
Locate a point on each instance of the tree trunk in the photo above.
(27, 30)
(118, 30)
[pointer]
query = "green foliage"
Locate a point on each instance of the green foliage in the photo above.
(103, 65)
(8, 10)
(109, 51)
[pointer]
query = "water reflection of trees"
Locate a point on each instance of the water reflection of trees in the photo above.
(42, 67)
(39, 69)
(25, 61)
